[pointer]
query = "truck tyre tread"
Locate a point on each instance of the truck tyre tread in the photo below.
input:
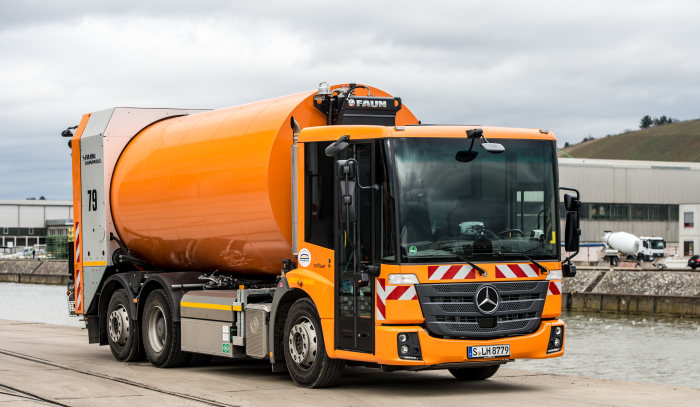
(132, 350)
(170, 355)
(474, 373)
(324, 372)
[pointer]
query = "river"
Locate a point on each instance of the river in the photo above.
(632, 348)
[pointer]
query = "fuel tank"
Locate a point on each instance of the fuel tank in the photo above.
(212, 191)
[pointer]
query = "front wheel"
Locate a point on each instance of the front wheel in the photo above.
(161, 335)
(122, 329)
(474, 373)
(304, 349)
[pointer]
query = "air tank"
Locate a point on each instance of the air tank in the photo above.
(212, 191)
(624, 242)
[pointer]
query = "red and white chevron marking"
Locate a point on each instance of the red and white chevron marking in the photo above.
(450, 272)
(554, 288)
(392, 292)
(78, 278)
(515, 271)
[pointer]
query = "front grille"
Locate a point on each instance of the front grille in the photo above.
(450, 309)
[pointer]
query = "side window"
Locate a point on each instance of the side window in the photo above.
(318, 195)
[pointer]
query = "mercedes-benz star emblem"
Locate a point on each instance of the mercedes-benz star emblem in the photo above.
(487, 299)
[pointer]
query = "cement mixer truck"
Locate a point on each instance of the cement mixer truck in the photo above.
(645, 248)
(317, 230)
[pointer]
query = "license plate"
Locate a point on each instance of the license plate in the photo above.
(491, 351)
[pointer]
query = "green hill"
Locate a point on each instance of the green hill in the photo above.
(671, 142)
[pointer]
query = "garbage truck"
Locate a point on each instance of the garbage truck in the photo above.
(318, 230)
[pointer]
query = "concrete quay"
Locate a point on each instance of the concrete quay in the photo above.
(34, 271)
(44, 364)
(654, 292)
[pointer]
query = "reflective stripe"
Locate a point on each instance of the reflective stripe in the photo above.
(94, 263)
(211, 306)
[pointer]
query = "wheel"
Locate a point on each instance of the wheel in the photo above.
(161, 335)
(122, 329)
(304, 348)
(474, 373)
(613, 261)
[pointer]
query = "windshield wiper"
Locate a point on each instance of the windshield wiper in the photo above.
(481, 271)
(542, 268)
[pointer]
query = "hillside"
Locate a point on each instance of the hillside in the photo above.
(672, 142)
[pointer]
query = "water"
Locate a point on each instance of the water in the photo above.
(36, 303)
(636, 348)
(633, 348)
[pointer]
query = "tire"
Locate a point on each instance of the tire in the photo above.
(122, 329)
(161, 335)
(304, 349)
(613, 261)
(474, 373)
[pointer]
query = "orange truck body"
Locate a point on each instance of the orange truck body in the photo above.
(163, 194)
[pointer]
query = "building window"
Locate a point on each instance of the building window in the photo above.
(5, 231)
(688, 249)
(31, 231)
(688, 221)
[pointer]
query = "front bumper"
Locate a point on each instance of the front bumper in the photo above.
(438, 351)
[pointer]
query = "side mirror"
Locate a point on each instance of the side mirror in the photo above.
(348, 195)
(337, 146)
(571, 203)
(572, 232)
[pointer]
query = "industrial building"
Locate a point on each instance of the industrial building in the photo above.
(28, 222)
(689, 231)
(645, 198)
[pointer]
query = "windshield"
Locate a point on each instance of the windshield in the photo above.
(658, 244)
(493, 207)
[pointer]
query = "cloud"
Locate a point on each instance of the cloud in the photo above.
(579, 69)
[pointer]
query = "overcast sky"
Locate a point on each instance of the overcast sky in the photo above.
(579, 68)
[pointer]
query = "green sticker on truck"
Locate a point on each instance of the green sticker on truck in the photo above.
(225, 348)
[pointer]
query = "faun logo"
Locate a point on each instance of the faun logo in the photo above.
(366, 103)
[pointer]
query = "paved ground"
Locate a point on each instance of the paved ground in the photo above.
(49, 365)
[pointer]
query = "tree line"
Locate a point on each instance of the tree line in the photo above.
(647, 122)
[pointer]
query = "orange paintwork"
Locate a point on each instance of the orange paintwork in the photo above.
(373, 132)
(77, 227)
(212, 191)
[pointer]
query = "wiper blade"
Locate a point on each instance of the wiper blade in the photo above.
(481, 271)
(542, 268)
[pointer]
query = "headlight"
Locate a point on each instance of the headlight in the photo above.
(402, 279)
(554, 275)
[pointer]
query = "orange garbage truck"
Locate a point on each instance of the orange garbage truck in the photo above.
(317, 230)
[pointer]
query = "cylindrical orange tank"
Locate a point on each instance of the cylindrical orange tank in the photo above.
(212, 191)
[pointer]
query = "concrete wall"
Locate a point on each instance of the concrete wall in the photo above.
(34, 271)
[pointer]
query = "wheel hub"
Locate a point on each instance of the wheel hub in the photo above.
(303, 343)
(157, 331)
(118, 325)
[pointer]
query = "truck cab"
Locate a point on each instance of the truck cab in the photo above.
(432, 239)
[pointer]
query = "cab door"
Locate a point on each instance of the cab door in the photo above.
(355, 251)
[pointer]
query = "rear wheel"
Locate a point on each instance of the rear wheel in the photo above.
(122, 329)
(475, 373)
(304, 348)
(161, 335)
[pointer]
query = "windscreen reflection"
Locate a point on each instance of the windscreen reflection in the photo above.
(493, 207)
